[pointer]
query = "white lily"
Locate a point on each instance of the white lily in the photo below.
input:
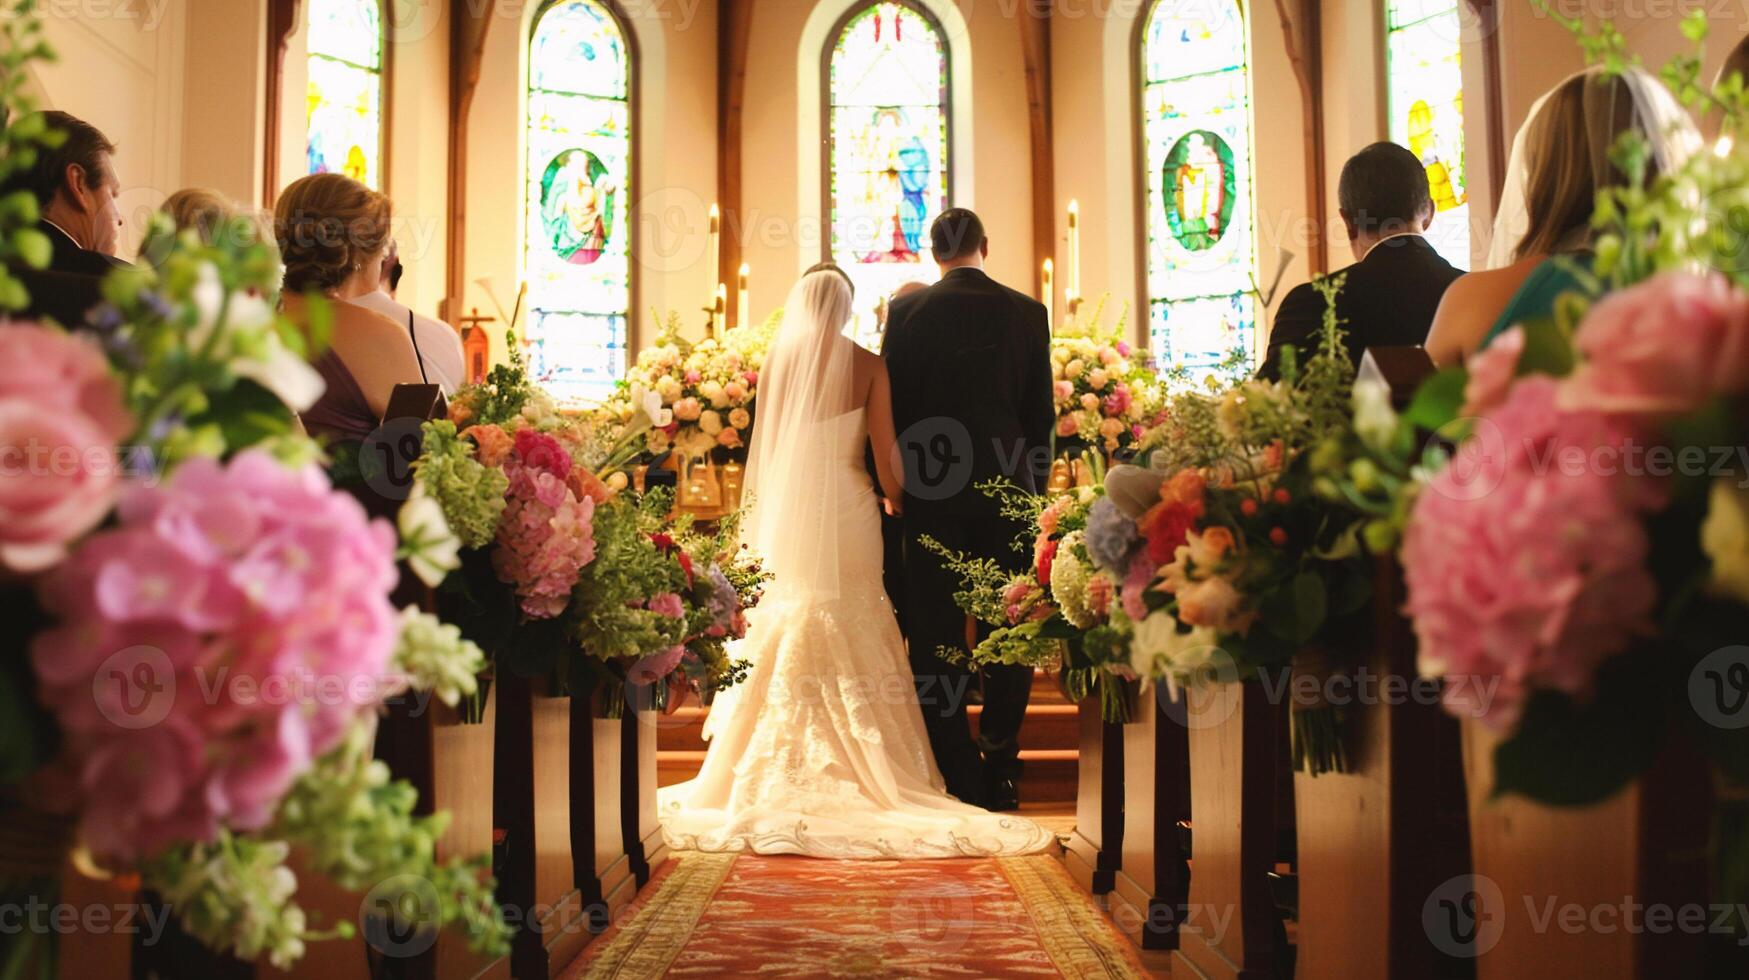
(429, 545)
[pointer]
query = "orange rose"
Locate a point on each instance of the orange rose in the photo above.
(492, 444)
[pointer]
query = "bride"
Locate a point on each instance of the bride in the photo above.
(821, 750)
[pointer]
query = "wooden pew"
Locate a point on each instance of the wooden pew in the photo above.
(601, 865)
(1152, 880)
(1231, 927)
(644, 845)
(1094, 850)
(535, 800)
(1377, 841)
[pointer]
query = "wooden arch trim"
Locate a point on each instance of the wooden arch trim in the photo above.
(282, 20)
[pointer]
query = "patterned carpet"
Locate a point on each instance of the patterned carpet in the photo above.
(718, 915)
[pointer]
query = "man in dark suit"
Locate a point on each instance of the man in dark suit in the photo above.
(1395, 284)
(75, 187)
(970, 366)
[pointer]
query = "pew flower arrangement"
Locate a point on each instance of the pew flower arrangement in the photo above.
(1104, 391)
(563, 571)
(202, 633)
(1576, 566)
(1056, 612)
(1226, 562)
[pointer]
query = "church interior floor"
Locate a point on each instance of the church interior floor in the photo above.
(710, 915)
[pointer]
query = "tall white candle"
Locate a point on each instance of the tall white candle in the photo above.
(715, 250)
(742, 303)
(719, 309)
(1073, 285)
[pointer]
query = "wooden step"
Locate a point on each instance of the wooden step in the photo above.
(1047, 726)
(1049, 778)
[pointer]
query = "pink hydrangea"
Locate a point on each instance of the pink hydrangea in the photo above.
(1665, 346)
(228, 632)
(1526, 566)
(547, 533)
(1491, 373)
(61, 418)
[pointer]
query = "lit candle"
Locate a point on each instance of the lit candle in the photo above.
(1050, 294)
(716, 241)
(1073, 285)
(742, 304)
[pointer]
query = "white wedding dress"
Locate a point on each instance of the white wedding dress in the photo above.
(821, 751)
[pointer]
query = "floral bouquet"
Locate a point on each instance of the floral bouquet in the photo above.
(202, 627)
(1056, 612)
(1225, 562)
(1104, 391)
(706, 388)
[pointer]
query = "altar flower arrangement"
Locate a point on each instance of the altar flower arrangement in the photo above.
(1105, 393)
(187, 593)
(708, 387)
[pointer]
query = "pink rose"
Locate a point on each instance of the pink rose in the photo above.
(1665, 346)
(1067, 426)
(61, 417)
(729, 438)
(1492, 371)
(1063, 390)
(693, 377)
(736, 391)
(688, 409)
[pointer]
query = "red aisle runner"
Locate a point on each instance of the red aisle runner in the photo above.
(717, 915)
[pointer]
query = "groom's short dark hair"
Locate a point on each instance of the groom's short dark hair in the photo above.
(957, 232)
(1383, 188)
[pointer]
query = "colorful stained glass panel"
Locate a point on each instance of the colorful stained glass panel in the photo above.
(889, 161)
(1196, 132)
(577, 191)
(344, 110)
(1425, 87)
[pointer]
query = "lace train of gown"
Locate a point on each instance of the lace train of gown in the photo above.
(821, 751)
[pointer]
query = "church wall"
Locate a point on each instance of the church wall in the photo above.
(121, 68)
(674, 159)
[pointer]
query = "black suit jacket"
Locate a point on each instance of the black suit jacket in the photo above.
(1388, 300)
(70, 286)
(970, 365)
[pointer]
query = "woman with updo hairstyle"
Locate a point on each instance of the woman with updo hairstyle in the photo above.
(1561, 159)
(333, 233)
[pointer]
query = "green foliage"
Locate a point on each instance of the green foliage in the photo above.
(471, 493)
(22, 135)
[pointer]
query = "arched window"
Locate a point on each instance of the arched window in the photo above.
(578, 193)
(1425, 99)
(1196, 135)
(345, 100)
(887, 168)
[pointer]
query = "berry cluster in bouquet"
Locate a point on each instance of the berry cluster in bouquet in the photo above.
(202, 631)
(1105, 393)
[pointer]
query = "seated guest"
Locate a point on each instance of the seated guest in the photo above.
(1542, 230)
(439, 347)
(75, 187)
(333, 235)
(208, 214)
(1394, 285)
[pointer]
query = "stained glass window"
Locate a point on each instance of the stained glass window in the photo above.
(888, 174)
(1425, 83)
(1196, 130)
(578, 193)
(345, 98)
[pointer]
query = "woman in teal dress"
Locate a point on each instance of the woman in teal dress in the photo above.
(1560, 160)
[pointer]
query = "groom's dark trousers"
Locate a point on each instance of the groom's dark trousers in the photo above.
(969, 365)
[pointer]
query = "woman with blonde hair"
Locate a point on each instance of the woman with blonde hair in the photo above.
(333, 233)
(1560, 160)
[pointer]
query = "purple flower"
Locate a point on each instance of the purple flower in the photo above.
(1111, 537)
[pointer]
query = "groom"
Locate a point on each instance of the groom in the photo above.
(970, 366)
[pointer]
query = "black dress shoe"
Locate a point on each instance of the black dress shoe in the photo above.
(1004, 794)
